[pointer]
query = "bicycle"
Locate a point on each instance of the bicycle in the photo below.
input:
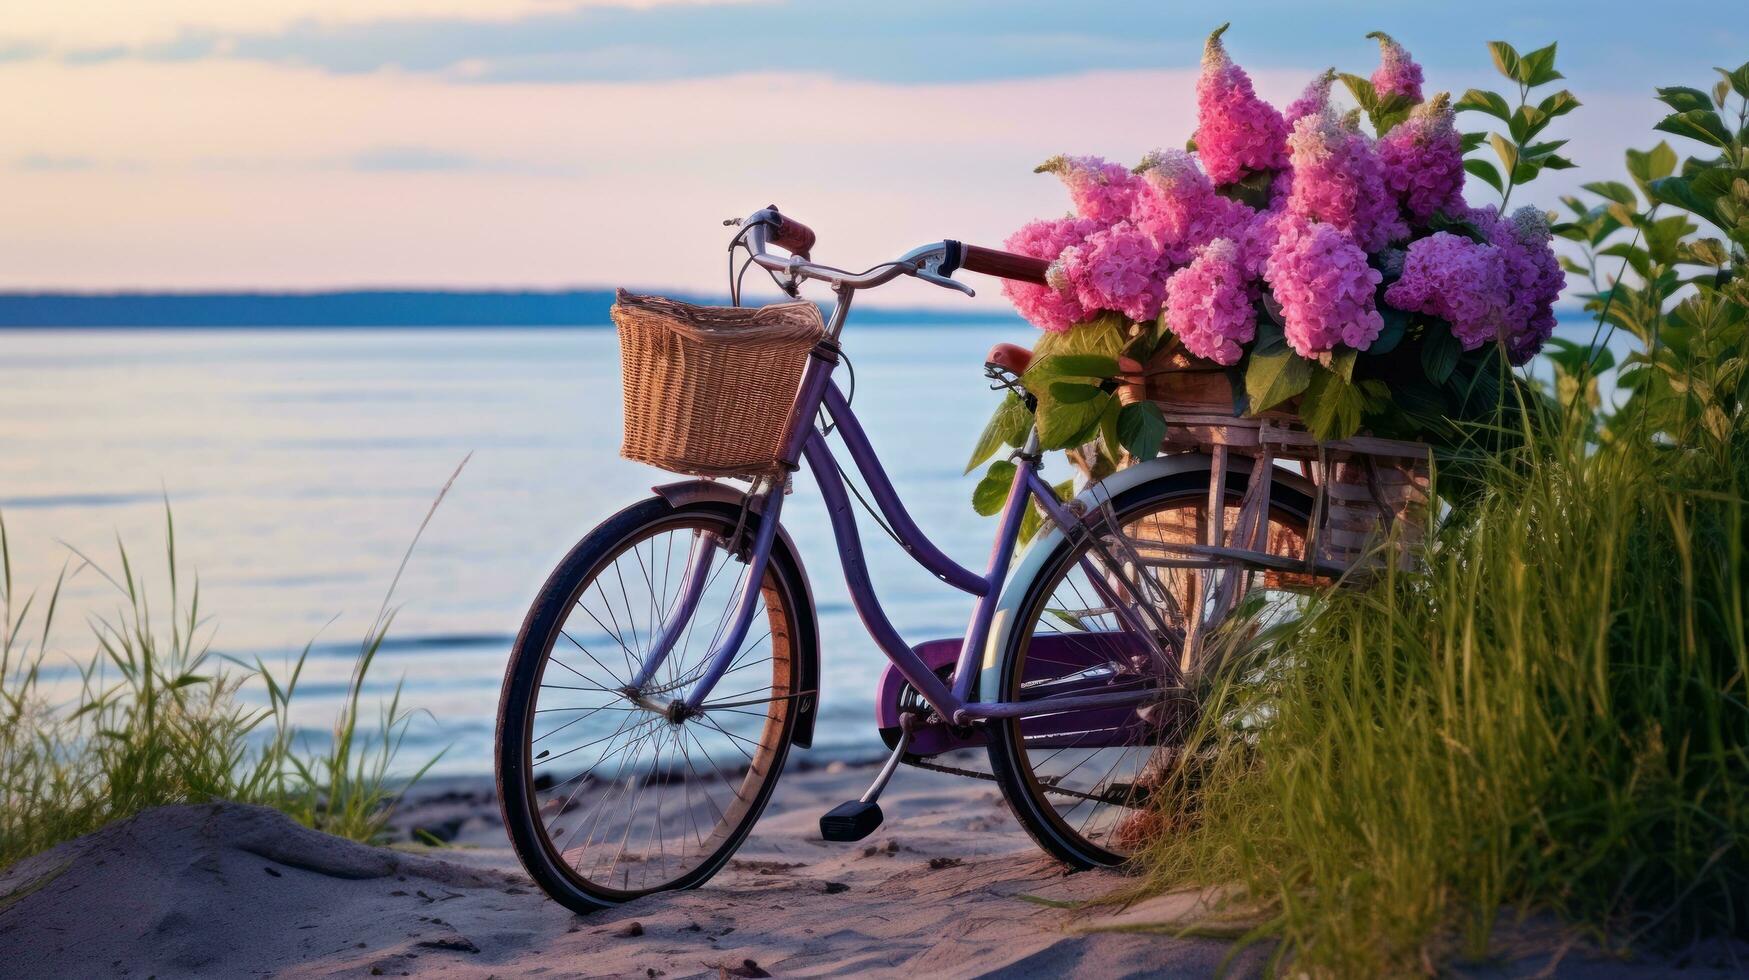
(649, 752)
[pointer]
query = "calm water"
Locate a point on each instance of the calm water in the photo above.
(299, 464)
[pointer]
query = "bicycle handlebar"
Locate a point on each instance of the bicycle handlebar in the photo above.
(1003, 265)
(934, 263)
(791, 235)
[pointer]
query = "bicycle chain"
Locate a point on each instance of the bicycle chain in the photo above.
(956, 771)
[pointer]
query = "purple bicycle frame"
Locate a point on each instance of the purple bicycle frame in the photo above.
(803, 441)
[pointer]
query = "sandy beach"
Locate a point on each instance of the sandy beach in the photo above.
(949, 887)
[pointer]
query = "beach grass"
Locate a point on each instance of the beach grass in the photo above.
(1552, 717)
(159, 718)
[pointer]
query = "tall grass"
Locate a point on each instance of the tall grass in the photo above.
(1554, 716)
(158, 718)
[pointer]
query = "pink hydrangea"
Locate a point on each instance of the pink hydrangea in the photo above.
(1237, 132)
(1178, 207)
(1104, 192)
(1460, 281)
(1424, 161)
(1115, 268)
(1338, 179)
(1210, 303)
(1397, 73)
(1258, 240)
(1325, 288)
(1043, 306)
(1315, 97)
(1534, 280)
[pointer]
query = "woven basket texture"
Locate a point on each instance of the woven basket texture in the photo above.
(709, 389)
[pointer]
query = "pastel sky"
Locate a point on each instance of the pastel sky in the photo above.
(319, 143)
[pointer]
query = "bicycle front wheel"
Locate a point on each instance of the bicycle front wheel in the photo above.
(608, 793)
(1081, 782)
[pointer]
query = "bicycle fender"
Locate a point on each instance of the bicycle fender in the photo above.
(709, 491)
(1032, 561)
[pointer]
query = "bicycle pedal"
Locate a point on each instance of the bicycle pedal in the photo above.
(851, 821)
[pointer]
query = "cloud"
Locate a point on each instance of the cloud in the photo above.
(900, 41)
(46, 163)
(429, 160)
(413, 159)
(20, 51)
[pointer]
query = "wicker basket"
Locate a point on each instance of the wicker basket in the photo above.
(709, 389)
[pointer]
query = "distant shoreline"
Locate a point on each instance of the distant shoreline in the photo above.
(368, 308)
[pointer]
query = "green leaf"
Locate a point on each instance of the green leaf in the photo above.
(1065, 424)
(1341, 363)
(1469, 142)
(1396, 325)
(1110, 443)
(1682, 98)
(1439, 353)
(1654, 164)
(1482, 100)
(1008, 427)
(1071, 392)
(1141, 427)
(1080, 366)
(1362, 89)
(1331, 407)
(1505, 150)
(1486, 171)
(1526, 123)
(1613, 190)
(1538, 67)
(1558, 104)
(1739, 79)
(992, 491)
(1505, 59)
(1703, 125)
(1273, 377)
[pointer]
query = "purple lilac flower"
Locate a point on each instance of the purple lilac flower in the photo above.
(1210, 303)
(1115, 268)
(1325, 288)
(1237, 132)
(1397, 73)
(1460, 281)
(1045, 307)
(1338, 179)
(1423, 161)
(1177, 206)
(1104, 192)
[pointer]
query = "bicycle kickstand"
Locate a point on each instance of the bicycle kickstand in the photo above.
(853, 820)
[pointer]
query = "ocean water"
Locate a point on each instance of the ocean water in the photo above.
(299, 463)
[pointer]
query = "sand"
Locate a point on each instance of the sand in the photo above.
(949, 887)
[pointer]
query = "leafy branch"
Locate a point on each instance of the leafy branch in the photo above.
(1521, 159)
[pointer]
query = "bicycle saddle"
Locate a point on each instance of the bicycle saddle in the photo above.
(1012, 358)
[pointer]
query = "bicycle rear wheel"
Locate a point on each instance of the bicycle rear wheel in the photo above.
(1081, 782)
(608, 792)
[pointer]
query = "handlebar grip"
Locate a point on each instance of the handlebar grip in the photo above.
(791, 235)
(1003, 265)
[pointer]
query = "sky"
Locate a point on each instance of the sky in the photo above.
(308, 144)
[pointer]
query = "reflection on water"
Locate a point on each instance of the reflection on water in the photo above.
(299, 464)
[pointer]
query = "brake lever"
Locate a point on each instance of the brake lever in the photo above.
(945, 281)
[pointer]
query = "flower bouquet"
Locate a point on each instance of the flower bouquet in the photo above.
(1312, 262)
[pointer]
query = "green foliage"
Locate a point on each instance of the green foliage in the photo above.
(1008, 427)
(1676, 286)
(1520, 158)
(1274, 373)
(990, 493)
(158, 719)
(1553, 714)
